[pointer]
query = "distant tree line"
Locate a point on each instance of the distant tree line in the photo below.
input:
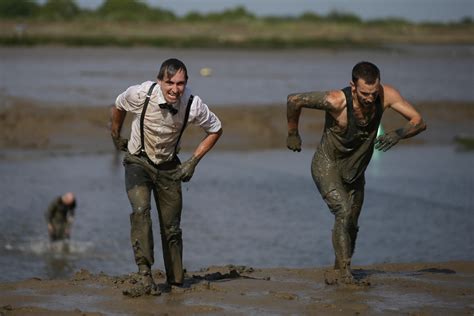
(68, 10)
(136, 10)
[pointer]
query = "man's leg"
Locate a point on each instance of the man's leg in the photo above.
(56, 232)
(139, 185)
(338, 202)
(169, 203)
(328, 180)
(357, 199)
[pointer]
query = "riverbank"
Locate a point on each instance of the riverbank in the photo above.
(237, 34)
(415, 289)
(74, 129)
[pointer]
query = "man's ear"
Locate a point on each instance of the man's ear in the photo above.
(353, 86)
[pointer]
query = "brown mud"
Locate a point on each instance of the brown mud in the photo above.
(395, 289)
(31, 126)
(413, 289)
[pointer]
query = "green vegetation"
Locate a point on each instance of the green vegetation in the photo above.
(120, 10)
(132, 22)
(18, 8)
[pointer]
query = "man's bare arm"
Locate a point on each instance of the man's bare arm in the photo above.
(311, 100)
(118, 116)
(411, 129)
(206, 144)
(295, 102)
(414, 126)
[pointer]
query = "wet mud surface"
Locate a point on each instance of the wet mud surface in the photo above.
(388, 289)
(34, 126)
(438, 288)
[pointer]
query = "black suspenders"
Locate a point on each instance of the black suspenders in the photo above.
(186, 117)
(142, 119)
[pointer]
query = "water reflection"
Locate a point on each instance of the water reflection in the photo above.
(58, 265)
(259, 212)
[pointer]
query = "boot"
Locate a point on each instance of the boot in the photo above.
(342, 250)
(143, 284)
(345, 272)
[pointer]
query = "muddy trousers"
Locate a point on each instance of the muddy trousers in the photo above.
(59, 230)
(141, 181)
(346, 205)
(345, 202)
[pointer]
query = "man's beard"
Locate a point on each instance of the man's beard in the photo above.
(365, 104)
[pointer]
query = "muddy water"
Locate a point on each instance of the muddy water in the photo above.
(258, 209)
(95, 76)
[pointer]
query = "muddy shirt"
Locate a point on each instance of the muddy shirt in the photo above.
(58, 212)
(161, 128)
(349, 149)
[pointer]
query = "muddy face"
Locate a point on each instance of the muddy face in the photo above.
(365, 93)
(173, 86)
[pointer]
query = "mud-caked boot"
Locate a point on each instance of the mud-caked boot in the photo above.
(340, 275)
(143, 284)
(347, 277)
(345, 272)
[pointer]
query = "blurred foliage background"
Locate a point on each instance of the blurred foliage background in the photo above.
(133, 22)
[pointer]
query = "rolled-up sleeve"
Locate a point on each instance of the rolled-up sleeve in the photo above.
(201, 115)
(131, 100)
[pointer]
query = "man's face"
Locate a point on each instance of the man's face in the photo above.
(366, 93)
(173, 87)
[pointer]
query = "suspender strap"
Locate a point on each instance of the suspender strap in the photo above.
(142, 118)
(186, 117)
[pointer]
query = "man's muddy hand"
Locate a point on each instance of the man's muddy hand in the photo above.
(293, 142)
(120, 143)
(186, 170)
(386, 141)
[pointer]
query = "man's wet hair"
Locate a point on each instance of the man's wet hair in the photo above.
(367, 71)
(170, 67)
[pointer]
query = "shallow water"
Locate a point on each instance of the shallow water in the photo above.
(95, 76)
(259, 209)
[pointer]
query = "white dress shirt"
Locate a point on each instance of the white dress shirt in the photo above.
(161, 128)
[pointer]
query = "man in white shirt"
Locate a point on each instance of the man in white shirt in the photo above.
(161, 111)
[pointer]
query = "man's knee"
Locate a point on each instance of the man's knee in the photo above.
(336, 203)
(173, 233)
(139, 197)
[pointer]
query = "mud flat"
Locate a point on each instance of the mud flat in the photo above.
(72, 129)
(415, 289)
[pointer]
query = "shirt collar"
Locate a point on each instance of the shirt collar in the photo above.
(161, 98)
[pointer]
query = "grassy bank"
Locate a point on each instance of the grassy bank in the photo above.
(232, 34)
